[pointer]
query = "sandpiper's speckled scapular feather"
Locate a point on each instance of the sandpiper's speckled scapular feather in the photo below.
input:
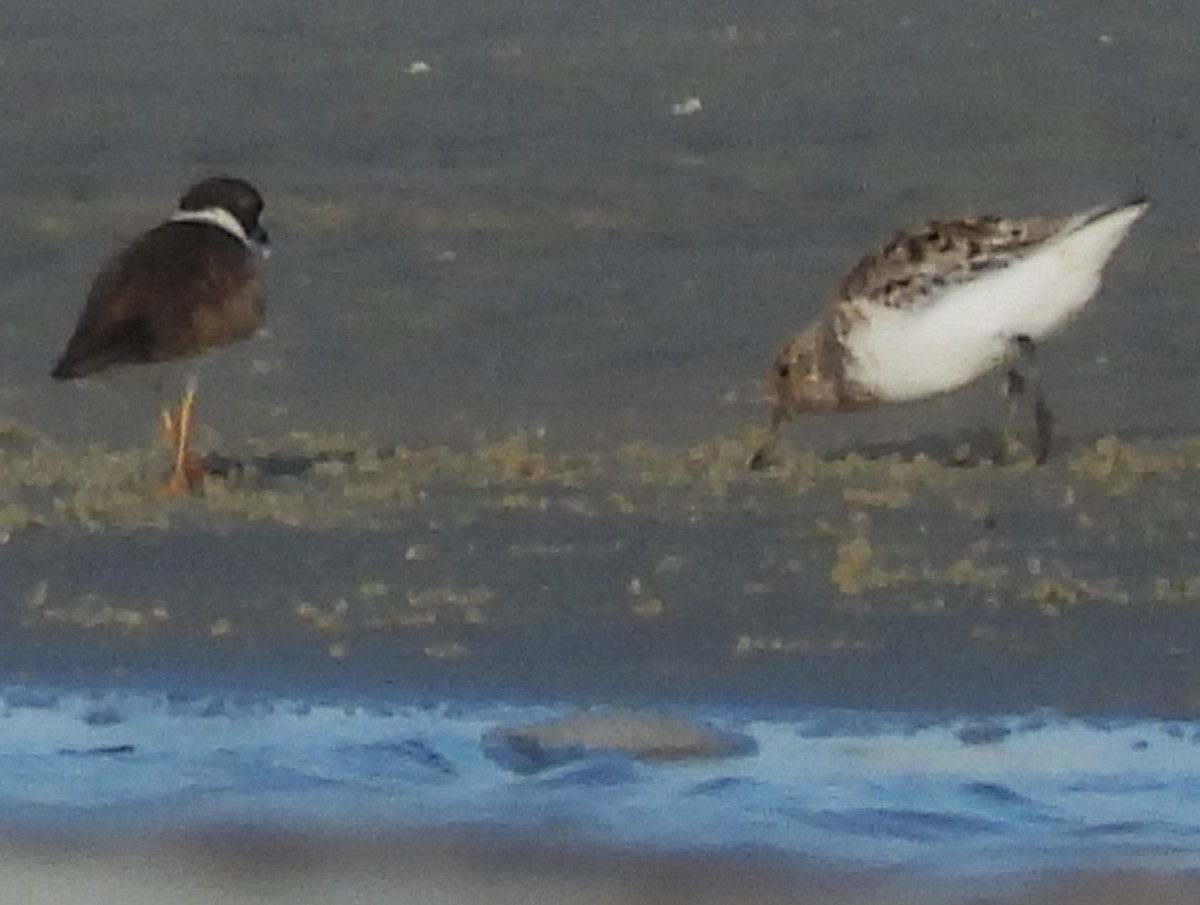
(943, 304)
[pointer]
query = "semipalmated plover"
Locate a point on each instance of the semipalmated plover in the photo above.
(180, 289)
(943, 304)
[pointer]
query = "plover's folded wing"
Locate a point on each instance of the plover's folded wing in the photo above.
(174, 292)
(919, 263)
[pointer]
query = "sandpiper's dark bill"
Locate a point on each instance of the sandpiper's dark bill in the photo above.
(188, 285)
(941, 305)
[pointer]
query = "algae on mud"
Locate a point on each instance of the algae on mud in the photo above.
(637, 569)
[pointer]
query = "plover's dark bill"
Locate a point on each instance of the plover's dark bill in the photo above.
(943, 304)
(188, 285)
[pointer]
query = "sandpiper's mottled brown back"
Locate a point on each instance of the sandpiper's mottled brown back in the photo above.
(917, 262)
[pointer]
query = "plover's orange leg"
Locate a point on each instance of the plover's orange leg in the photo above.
(187, 471)
(764, 458)
(170, 432)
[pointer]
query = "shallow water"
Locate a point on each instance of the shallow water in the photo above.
(945, 799)
(521, 303)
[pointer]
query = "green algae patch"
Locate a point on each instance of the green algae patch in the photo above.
(15, 519)
(826, 643)
(1057, 592)
(90, 611)
(1120, 468)
(857, 568)
(884, 498)
(394, 607)
(966, 573)
(332, 620)
(1177, 590)
(464, 597)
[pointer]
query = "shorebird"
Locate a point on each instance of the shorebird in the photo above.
(943, 304)
(175, 291)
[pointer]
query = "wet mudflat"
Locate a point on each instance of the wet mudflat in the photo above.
(600, 224)
(899, 580)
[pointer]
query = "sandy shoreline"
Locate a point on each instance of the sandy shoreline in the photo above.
(257, 869)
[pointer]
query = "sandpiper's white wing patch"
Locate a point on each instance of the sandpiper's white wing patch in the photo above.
(214, 216)
(952, 322)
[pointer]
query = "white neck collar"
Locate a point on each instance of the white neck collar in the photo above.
(214, 216)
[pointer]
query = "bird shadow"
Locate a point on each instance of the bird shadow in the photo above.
(962, 449)
(273, 465)
(974, 448)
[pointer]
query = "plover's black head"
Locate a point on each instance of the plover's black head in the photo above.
(216, 196)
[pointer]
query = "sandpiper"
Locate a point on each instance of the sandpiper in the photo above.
(180, 289)
(943, 304)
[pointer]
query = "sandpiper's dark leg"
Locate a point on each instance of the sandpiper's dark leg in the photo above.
(1043, 420)
(764, 457)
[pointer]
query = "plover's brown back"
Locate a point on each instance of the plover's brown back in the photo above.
(176, 291)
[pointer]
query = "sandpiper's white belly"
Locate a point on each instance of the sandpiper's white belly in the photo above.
(907, 353)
